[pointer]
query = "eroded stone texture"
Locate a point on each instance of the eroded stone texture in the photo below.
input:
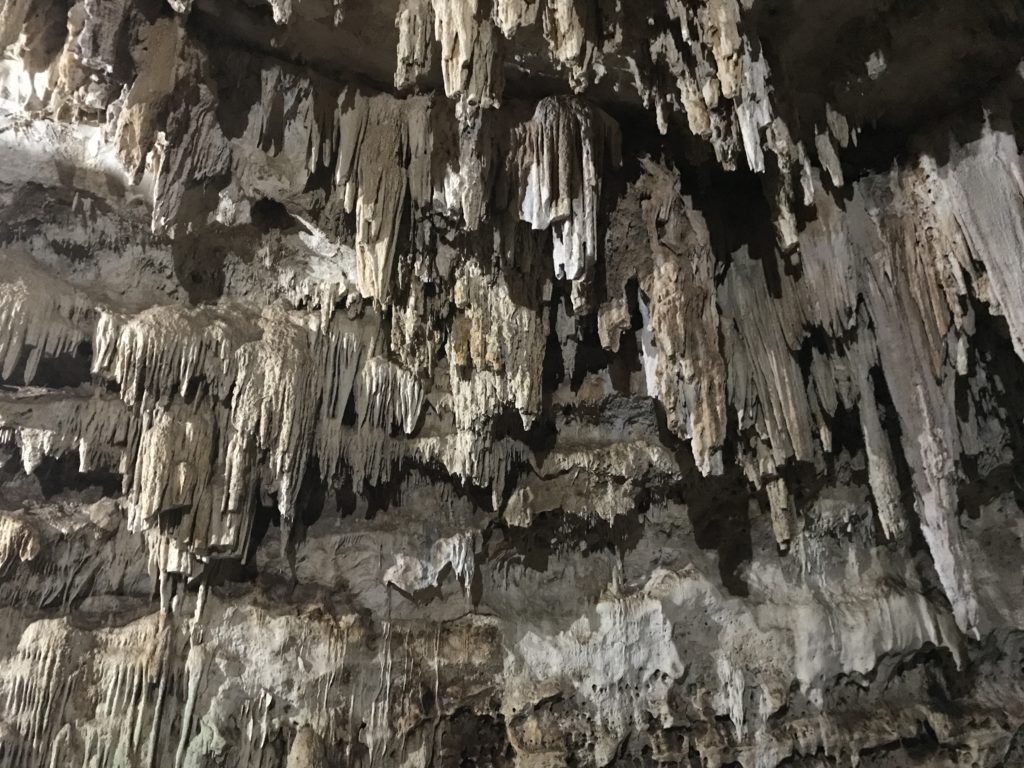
(518, 383)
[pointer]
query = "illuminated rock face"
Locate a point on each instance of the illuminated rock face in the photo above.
(516, 383)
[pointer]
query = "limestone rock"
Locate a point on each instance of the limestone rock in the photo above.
(519, 383)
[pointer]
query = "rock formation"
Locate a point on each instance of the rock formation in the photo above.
(527, 383)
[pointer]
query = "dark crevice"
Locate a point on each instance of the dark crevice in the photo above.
(60, 475)
(66, 370)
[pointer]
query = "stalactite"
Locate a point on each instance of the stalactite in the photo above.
(623, 383)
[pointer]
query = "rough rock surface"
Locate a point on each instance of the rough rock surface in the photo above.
(511, 383)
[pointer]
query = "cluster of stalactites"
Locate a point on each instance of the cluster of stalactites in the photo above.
(394, 159)
(722, 81)
(895, 292)
(472, 44)
(286, 380)
(387, 152)
(37, 314)
(701, 61)
(218, 406)
(221, 406)
(710, 344)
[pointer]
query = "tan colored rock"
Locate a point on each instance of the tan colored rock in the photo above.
(520, 383)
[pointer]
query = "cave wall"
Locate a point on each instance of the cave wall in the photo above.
(523, 383)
